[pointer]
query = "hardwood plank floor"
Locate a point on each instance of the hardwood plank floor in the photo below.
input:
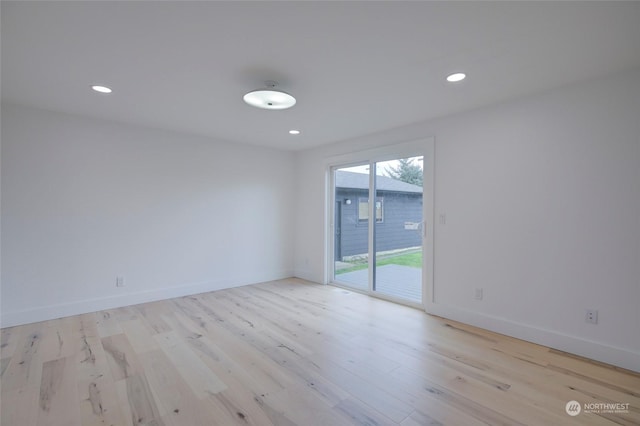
(293, 353)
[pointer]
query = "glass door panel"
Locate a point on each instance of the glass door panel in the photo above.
(351, 227)
(398, 229)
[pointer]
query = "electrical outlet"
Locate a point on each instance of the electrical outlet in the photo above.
(119, 281)
(591, 316)
(478, 294)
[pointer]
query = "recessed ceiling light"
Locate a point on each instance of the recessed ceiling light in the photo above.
(269, 98)
(101, 89)
(454, 78)
(294, 132)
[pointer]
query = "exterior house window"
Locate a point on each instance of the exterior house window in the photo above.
(363, 210)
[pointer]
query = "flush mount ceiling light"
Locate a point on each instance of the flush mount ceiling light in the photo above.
(294, 132)
(101, 89)
(270, 98)
(456, 77)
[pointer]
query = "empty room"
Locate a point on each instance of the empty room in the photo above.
(319, 213)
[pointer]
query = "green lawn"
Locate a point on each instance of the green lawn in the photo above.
(413, 260)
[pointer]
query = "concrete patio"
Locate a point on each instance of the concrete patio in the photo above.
(404, 282)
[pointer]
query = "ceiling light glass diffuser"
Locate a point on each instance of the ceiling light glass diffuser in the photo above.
(101, 89)
(270, 98)
(294, 132)
(454, 78)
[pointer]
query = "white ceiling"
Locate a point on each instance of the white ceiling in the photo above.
(355, 67)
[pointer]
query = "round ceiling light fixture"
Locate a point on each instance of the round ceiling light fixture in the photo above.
(294, 132)
(269, 98)
(456, 77)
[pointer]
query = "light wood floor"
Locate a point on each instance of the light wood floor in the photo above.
(292, 353)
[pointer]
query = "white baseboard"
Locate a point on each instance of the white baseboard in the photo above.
(593, 350)
(44, 313)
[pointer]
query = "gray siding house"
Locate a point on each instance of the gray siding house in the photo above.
(399, 205)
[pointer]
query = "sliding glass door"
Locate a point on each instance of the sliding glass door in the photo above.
(378, 228)
(398, 232)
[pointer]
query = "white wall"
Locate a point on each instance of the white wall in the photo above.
(542, 200)
(84, 201)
